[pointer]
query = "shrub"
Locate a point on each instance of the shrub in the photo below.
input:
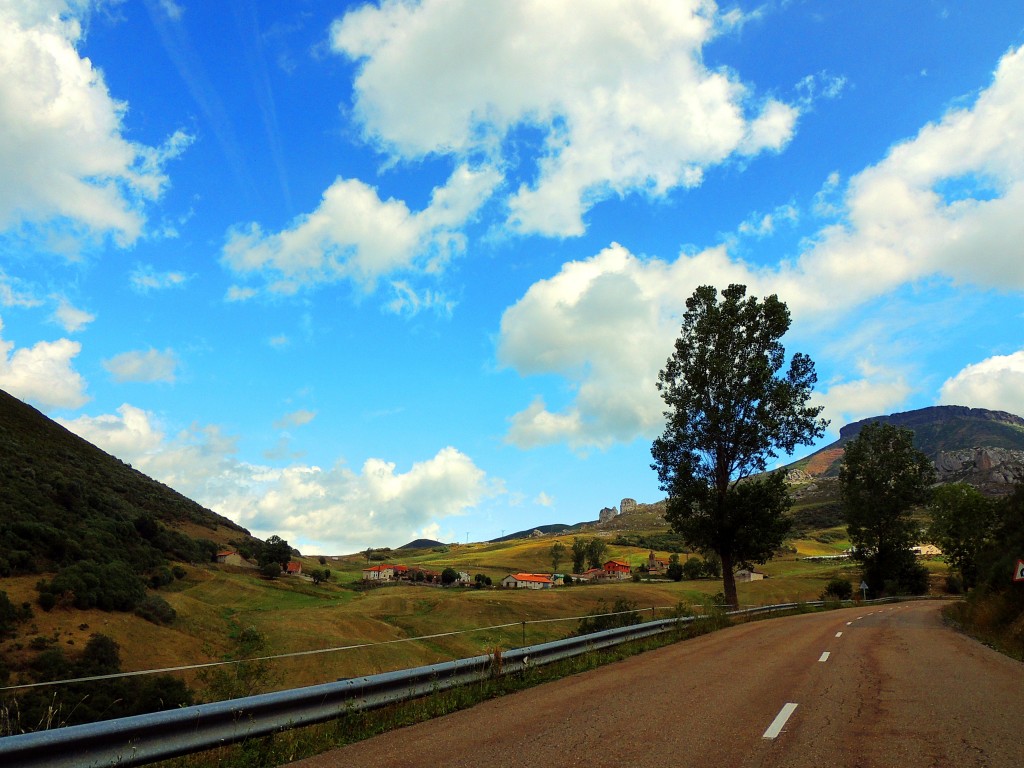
(270, 570)
(622, 614)
(692, 569)
(178, 572)
(838, 589)
(157, 610)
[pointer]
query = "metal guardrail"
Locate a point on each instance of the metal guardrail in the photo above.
(144, 739)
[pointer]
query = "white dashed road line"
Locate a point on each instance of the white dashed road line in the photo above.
(839, 634)
(824, 656)
(780, 721)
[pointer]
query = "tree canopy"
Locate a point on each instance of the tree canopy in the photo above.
(962, 525)
(882, 479)
(729, 410)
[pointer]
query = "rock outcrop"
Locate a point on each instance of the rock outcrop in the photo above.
(991, 470)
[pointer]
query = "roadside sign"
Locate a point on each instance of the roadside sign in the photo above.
(864, 589)
(1018, 572)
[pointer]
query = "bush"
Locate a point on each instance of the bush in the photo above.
(449, 576)
(178, 572)
(622, 614)
(270, 570)
(567, 580)
(157, 610)
(161, 578)
(838, 589)
(954, 586)
(692, 569)
(107, 586)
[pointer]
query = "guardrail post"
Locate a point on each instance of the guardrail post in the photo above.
(524, 634)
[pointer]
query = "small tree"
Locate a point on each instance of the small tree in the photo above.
(675, 568)
(962, 525)
(270, 570)
(449, 576)
(557, 554)
(883, 477)
(248, 675)
(579, 554)
(275, 550)
(728, 412)
(596, 549)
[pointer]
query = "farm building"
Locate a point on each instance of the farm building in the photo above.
(378, 573)
(745, 574)
(617, 569)
(527, 581)
(230, 557)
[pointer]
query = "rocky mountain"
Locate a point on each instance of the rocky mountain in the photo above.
(982, 447)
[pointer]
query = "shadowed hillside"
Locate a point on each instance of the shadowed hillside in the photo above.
(62, 500)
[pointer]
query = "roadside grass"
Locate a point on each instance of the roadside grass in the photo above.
(299, 743)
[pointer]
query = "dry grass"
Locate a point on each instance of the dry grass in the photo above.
(215, 602)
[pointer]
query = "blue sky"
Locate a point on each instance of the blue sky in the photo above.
(358, 273)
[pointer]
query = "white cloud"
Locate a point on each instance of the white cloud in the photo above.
(851, 401)
(143, 365)
(927, 210)
(996, 383)
(355, 235)
(70, 317)
(145, 279)
(240, 293)
(624, 102)
(295, 419)
(544, 500)
(13, 295)
(606, 324)
(43, 373)
(64, 159)
(331, 510)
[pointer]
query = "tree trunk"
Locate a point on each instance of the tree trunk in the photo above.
(729, 581)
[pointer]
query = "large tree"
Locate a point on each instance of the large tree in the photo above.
(962, 525)
(882, 479)
(730, 410)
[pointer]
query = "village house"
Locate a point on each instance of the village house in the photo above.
(527, 581)
(293, 568)
(378, 573)
(230, 557)
(593, 574)
(400, 571)
(617, 569)
(746, 574)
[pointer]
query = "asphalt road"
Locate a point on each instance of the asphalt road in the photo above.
(881, 686)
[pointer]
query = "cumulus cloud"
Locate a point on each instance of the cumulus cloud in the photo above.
(996, 383)
(148, 365)
(940, 205)
(64, 158)
(331, 510)
(624, 103)
(355, 235)
(70, 317)
(43, 373)
(606, 324)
